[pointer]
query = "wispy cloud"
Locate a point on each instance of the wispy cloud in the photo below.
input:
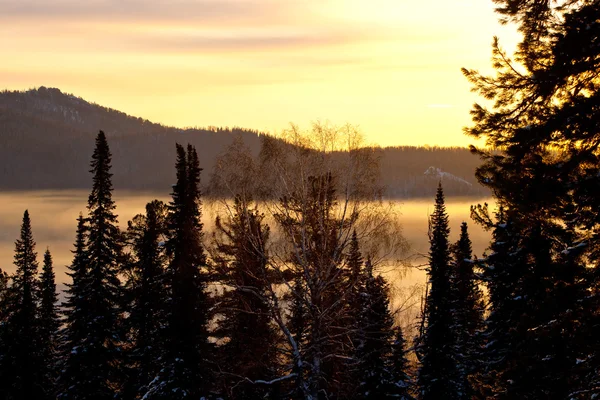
(141, 10)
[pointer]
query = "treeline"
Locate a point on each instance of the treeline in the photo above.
(158, 311)
(140, 321)
(47, 135)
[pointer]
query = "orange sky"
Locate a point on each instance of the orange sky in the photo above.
(392, 67)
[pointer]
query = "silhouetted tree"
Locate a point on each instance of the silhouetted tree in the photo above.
(468, 308)
(148, 294)
(49, 323)
(74, 332)
(250, 352)
(439, 375)
(98, 353)
(545, 172)
(400, 367)
(23, 368)
(375, 352)
(186, 370)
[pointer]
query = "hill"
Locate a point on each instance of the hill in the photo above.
(46, 138)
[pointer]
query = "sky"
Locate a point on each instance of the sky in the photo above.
(389, 67)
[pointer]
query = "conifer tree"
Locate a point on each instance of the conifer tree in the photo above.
(298, 328)
(75, 314)
(400, 367)
(541, 115)
(251, 349)
(98, 352)
(49, 323)
(4, 308)
(375, 352)
(22, 363)
(521, 358)
(186, 371)
(147, 319)
(439, 373)
(468, 308)
(356, 282)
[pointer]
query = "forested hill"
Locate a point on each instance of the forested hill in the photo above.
(47, 137)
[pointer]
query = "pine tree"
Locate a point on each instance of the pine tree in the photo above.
(147, 287)
(468, 306)
(49, 323)
(186, 371)
(92, 366)
(22, 364)
(251, 348)
(543, 108)
(439, 373)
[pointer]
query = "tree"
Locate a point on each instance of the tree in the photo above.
(5, 295)
(22, 363)
(49, 323)
(148, 294)
(468, 306)
(95, 355)
(315, 229)
(375, 354)
(325, 193)
(186, 370)
(544, 172)
(400, 367)
(75, 313)
(249, 355)
(439, 375)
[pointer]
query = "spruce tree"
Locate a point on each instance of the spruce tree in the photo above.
(400, 367)
(147, 319)
(49, 323)
(298, 329)
(98, 353)
(4, 312)
(375, 353)
(75, 315)
(250, 351)
(356, 287)
(468, 306)
(23, 368)
(439, 375)
(186, 370)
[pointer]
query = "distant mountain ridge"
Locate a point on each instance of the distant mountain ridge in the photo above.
(46, 139)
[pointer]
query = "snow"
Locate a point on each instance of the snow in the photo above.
(568, 250)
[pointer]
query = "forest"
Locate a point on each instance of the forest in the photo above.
(286, 298)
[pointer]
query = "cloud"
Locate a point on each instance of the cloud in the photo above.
(141, 10)
(246, 40)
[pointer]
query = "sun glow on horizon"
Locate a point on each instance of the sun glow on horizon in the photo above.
(391, 68)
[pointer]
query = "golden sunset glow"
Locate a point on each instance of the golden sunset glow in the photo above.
(390, 67)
